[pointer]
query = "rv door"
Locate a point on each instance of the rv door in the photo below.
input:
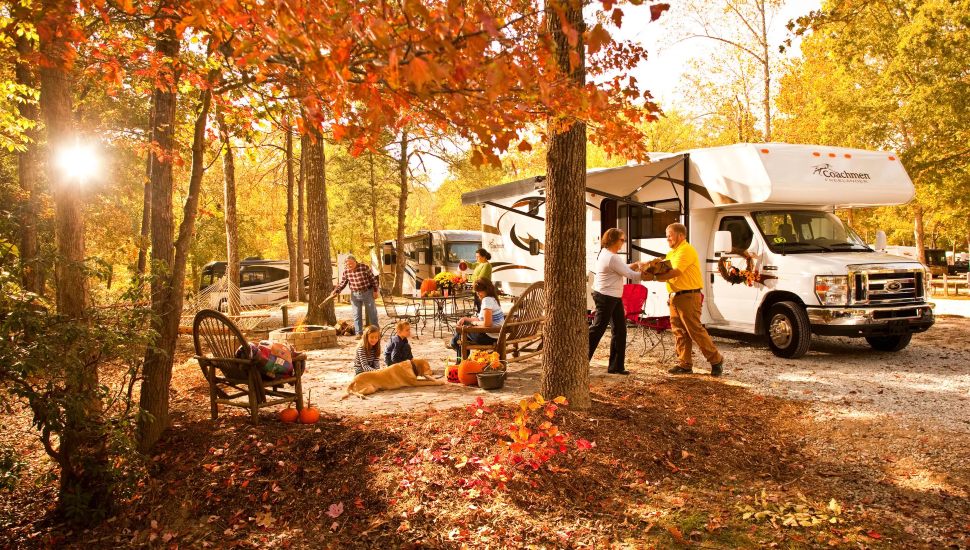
(732, 304)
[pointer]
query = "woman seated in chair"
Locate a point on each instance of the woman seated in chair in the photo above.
(490, 316)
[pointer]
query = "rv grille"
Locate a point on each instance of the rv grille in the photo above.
(887, 287)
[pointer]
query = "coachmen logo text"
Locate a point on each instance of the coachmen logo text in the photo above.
(831, 174)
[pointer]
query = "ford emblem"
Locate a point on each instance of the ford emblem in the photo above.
(894, 286)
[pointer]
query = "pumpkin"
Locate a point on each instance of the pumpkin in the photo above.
(467, 371)
(289, 415)
(309, 415)
(452, 373)
(428, 286)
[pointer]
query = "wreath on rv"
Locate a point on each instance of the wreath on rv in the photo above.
(735, 275)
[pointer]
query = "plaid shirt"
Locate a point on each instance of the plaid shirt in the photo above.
(360, 278)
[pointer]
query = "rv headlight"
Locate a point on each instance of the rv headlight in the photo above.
(832, 290)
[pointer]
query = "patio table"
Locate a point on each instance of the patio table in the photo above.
(440, 310)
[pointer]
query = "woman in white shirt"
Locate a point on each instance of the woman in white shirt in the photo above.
(490, 316)
(610, 274)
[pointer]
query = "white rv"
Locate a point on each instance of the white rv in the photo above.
(428, 253)
(767, 207)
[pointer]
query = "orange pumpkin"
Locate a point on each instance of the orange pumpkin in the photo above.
(467, 371)
(309, 415)
(289, 415)
(428, 286)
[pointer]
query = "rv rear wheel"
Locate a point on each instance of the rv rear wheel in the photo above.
(789, 332)
(893, 342)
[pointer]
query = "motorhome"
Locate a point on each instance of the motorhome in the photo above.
(261, 282)
(428, 253)
(762, 211)
(933, 258)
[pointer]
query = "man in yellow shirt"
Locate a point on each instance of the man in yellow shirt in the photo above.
(684, 283)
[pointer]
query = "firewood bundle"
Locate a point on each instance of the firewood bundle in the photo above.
(344, 328)
(656, 266)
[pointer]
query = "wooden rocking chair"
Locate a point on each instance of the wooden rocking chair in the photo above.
(217, 341)
(521, 333)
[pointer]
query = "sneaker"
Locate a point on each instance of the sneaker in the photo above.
(680, 370)
(718, 369)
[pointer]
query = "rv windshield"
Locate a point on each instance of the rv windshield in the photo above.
(462, 251)
(794, 232)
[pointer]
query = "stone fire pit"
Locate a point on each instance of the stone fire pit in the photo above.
(306, 337)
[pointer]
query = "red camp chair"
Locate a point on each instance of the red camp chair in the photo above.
(653, 331)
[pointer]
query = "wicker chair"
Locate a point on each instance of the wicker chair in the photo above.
(397, 309)
(521, 334)
(217, 341)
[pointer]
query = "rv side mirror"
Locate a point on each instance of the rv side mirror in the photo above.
(722, 242)
(881, 240)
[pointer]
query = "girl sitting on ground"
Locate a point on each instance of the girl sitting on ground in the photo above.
(490, 316)
(399, 349)
(368, 355)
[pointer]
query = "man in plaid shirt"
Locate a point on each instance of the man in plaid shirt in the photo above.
(363, 291)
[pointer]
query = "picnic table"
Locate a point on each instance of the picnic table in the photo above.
(441, 311)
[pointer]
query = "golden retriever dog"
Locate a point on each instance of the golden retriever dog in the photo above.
(398, 375)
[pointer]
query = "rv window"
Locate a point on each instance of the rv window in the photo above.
(646, 223)
(438, 254)
(462, 251)
(741, 233)
(206, 280)
(276, 274)
(251, 277)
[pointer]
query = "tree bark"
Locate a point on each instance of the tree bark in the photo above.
(28, 167)
(402, 205)
(82, 453)
(232, 227)
(766, 66)
(295, 283)
(168, 259)
(373, 219)
(919, 231)
(565, 366)
(318, 227)
(300, 225)
(146, 207)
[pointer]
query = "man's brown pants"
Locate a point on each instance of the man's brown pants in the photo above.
(685, 320)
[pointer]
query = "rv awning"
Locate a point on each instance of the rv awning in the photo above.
(498, 192)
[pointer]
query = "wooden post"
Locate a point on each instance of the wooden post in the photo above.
(946, 284)
(286, 315)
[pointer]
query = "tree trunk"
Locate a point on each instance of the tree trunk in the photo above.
(295, 283)
(300, 225)
(373, 219)
(232, 227)
(919, 231)
(766, 66)
(318, 226)
(169, 260)
(402, 205)
(28, 167)
(82, 453)
(565, 365)
(146, 216)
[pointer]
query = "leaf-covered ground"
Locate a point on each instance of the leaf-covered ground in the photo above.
(671, 462)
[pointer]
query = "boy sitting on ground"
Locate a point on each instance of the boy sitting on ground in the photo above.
(399, 349)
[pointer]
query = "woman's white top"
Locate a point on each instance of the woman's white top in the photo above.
(610, 273)
(498, 317)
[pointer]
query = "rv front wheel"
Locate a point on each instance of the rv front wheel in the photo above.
(894, 342)
(789, 332)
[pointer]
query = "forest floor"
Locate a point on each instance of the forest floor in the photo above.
(873, 449)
